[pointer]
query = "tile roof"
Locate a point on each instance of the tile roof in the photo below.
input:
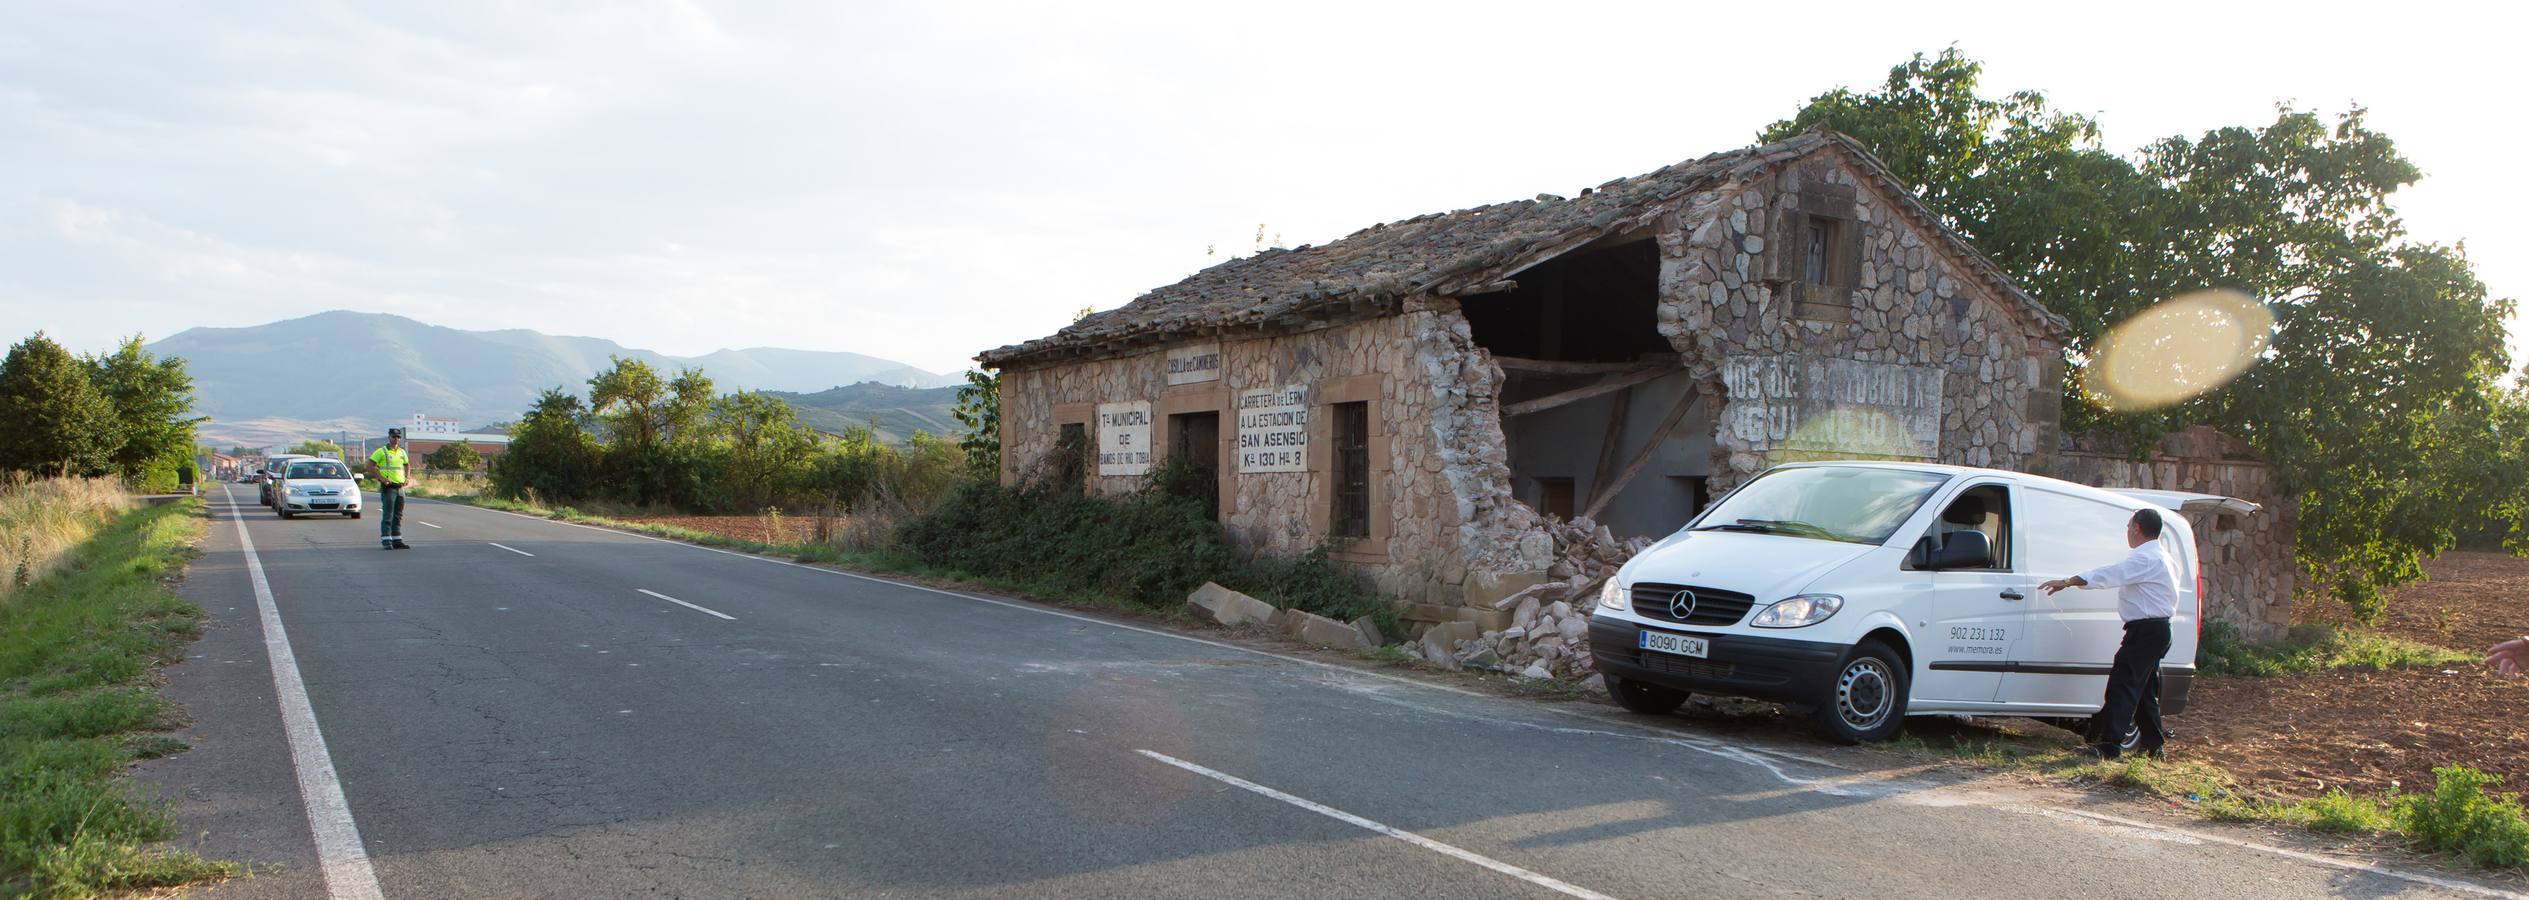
(1373, 268)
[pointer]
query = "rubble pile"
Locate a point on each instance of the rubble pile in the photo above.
(1548, 635)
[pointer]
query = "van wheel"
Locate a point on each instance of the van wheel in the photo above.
(1647, 699)
(1867, 702)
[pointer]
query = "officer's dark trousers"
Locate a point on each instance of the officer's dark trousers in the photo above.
(390, 513)
(2133, 689)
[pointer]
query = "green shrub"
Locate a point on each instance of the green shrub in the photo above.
(1149, 548)
(2338, 812)
(2315, 648)
(2463, 815)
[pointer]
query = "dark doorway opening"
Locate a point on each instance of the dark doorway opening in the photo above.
(1196, 438)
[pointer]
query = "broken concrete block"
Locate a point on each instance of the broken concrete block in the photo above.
(1538, 670)
(1230, 607)
(1369, 631)
(1325, 632)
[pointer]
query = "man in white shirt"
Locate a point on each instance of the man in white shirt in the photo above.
(2146, 584)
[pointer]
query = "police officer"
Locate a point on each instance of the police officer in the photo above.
(391, 462)
(2146, 584)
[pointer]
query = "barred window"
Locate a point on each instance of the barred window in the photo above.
(1352, 470)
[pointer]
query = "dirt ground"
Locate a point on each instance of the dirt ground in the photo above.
(791, 530)
(2364, 731)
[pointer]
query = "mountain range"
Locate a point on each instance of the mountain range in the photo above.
(356, 372)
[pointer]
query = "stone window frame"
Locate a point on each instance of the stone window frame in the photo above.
(1209, 397)
(1084, 415)
(1795, 208)
(1370, 389)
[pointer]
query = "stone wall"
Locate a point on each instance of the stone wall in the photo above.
(1923, 350)
(2249, 572)
(1440, 498)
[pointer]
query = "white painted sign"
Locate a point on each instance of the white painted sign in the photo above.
(1124, 438)
(1273, 430)
(1189, 365)
(1834, 405)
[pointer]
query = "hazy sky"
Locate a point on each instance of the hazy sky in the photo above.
(921, 181)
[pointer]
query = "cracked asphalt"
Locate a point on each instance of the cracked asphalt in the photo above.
(512, 726)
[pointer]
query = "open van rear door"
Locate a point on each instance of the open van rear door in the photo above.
(2183, 501)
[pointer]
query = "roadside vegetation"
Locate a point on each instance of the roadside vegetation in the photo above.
(2318, 648)
(125, 413)
(2465, 814)
(79, 646)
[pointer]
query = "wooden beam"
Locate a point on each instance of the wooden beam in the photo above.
(1600, 498)
(1563, 367)
(1607, 448)
(1604, 385)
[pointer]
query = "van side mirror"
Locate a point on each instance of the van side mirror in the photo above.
(1963, 550)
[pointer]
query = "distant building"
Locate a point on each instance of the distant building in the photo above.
(424, 424)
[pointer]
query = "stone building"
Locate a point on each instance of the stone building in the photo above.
(1427, 396)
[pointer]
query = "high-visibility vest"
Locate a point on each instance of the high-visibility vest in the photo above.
(390, 462)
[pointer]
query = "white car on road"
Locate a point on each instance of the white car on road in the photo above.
(317, 486)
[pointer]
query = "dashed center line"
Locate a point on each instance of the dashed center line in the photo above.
(509, 548)
(1540, 880)
(420, 522)
(685, 604)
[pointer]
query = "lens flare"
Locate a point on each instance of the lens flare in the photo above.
(2179, 349)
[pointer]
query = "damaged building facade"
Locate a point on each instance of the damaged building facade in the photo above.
(1439, 399)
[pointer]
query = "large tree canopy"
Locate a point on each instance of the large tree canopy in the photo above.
(2371, 401)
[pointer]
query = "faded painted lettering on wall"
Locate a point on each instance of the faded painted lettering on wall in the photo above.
(1835, 405)
(1189, 365)
(1124, 438)
(1273, 430)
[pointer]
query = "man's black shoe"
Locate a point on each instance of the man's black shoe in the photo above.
(400, 545)
(2098, 752)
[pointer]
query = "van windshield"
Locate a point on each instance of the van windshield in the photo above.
(1836, 503)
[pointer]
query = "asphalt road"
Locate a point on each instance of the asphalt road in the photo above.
(517, 708)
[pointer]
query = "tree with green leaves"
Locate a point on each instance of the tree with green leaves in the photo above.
(457, 457)
(979, 411)
(53, 422)
(152, 400)
(551, 456)
(317, 447)
(767, 449)
(2378, 339)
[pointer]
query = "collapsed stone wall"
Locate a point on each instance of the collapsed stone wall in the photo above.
(2249, 572)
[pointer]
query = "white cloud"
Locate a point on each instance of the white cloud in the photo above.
(921, 181)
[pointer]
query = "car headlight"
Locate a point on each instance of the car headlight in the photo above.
(1796, 612)
(1613, 595)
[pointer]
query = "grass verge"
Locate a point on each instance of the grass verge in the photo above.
(2466, 815)
(77, 650)
(2318, 648)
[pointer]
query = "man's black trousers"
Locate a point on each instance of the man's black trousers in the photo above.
(2133, 688)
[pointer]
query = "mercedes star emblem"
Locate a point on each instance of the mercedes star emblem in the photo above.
(1682, 605)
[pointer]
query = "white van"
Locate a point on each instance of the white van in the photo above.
(1871, 591)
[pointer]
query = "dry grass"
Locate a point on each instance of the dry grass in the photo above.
(41, 521)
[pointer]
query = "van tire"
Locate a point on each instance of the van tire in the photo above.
(1867, 699)
(1645, 698)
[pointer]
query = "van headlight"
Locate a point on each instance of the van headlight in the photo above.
(1613, 595)
(1795, 612)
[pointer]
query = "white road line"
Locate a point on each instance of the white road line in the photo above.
(338, 849)
(509, 548)
(685, 604)
(1692, 743)
(420, 522)
(2346, 864)
(1409, 837)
